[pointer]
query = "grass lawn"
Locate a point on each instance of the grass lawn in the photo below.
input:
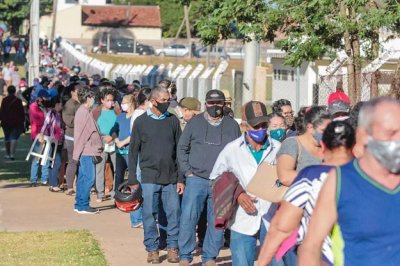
(19, 169)
(50, 248)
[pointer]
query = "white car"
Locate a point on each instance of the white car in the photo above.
(173, 50)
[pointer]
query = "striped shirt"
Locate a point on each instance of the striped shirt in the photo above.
(303, 193)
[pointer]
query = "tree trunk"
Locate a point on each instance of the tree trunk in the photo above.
(374, 92)
(357, 66)
(351, 67)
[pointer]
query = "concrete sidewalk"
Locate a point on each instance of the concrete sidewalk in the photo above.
(23, 208)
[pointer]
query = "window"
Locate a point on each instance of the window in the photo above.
(71, 1)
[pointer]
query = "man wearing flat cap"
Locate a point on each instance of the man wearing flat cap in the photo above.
(187, 108)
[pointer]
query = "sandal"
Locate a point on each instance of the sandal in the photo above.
(70, 192)
(55, 189)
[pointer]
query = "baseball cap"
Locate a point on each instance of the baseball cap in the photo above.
(43, 94)
(190, 103)
(215, 96)
(255, 113)
(338, 107)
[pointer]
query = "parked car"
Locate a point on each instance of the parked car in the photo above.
(236, 53)
(124, 46)
(218, 52)
(173, 50)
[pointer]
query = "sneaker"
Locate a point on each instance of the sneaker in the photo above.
(90, 210)
(173, 255)
(101, 199)
(12, 158)
(153, 257)
(44, 184)
(55, 189)
(33, 185)
(138, 225)
(7, 157)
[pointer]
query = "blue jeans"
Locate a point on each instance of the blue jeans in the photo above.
(136, 216)
(35, 169)
(86, 178)
(36, 164)
(197, 192)
(152, 193)
(243, 249)
(53, 172)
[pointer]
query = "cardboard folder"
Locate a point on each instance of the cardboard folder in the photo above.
(264, 184)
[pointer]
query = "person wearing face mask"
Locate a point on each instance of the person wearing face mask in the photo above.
(203, 138)
(301, 151)
(37, 113)
(187, 108)
(276, 126)
(284, 107)
(87, 144)
(154, 139)
(106, 117)
(242, 158)
(365, 189)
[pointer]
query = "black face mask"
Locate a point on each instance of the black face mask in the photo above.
(215, 110)
(162, 107)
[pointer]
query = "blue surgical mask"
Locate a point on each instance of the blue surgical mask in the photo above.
(277, 134)
(318, 137)
(257, 135)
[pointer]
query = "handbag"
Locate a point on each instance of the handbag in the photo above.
(96, 159)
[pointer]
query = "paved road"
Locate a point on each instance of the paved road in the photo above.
(23, 208)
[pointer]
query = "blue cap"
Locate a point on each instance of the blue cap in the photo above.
(43, 94)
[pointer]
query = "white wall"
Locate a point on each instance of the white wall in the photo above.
(61, 5)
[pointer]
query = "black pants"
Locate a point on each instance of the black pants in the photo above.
(120, 169)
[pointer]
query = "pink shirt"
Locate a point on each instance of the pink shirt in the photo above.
(36, 117)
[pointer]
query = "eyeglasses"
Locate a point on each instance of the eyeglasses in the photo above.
(215, 139)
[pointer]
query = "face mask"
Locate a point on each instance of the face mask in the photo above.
(318, 137)
(214, 110)
(277, 133)
(257, 135)
(125, 107)
(108, 104)
(162, 107)
(387, 153)
(23, 89)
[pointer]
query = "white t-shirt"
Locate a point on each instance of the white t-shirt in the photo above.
(136, 114)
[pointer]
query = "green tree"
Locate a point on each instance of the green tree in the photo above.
(13, 12)
(311, 28)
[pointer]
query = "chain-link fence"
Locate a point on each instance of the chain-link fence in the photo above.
(378, 83)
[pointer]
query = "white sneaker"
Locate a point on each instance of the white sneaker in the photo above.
(90, 210)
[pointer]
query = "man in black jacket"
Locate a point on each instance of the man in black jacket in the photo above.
(204, 137)
(155, 137)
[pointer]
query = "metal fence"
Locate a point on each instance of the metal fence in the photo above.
(328, 84)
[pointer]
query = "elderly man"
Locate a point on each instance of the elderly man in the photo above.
(202, 140)
(155, 137)
(242, 157)
(363, 196)
(187, 108)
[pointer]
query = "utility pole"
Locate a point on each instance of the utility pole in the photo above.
(249, 70)
(34, 42)
(188, 35)
(53, 28)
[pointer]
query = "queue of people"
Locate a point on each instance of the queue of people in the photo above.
(340, 164)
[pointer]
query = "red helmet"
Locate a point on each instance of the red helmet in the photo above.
(128, 199)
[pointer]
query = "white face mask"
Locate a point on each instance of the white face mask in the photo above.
(125, 107)
(22, 89)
